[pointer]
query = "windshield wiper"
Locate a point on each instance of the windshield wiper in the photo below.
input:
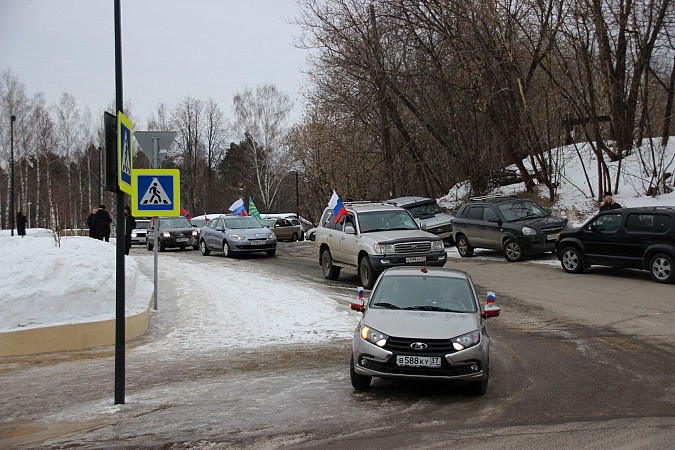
(431, 308)
(387, 305)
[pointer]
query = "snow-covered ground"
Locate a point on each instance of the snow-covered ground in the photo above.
(45, 284)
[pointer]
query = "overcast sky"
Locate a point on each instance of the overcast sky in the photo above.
(171, 49)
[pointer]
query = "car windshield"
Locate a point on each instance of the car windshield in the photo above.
(520, 210)
(269, 222)
(198, 222)
(242, 223)
(174, 222)
(142, 223)
(386, 220)
(425, 210)
(424, 293)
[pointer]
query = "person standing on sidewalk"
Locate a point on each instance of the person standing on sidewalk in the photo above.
(129, 225)
(102, 221)
(21, 224)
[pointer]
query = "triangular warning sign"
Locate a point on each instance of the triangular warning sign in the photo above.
(155, 195)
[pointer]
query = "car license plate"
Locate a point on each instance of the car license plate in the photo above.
(418, 361)
(181, 239)
(551, 237)
(414, 259)
(257, 242)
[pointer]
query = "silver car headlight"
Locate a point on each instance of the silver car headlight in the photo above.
(166, 234)
(237, 237)
(437, 245)
(384, 248)
(195, 232)
(527, 231)
(133, 234)
(272, 236)
(466, 340)
(373, 336)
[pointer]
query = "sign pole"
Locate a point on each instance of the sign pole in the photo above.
(156, 254)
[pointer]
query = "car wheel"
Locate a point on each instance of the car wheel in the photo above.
(359, 382)
(366, 273)
(195, 247)
(662, 269)
(294, 238)
(572, 261)
(463, 247)
(478, 387)
(271, 252)
(512, 250)
(330, 272)
(226, 250)
(162, 247)
(148, 245)
(204, 249)
(182, 248)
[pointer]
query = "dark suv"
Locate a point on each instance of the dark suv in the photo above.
(516, 226)
(638, 238)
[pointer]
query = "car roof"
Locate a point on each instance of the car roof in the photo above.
(430, 271)
(408, 200)
(638, 209)
(365, 207)
(498, 199)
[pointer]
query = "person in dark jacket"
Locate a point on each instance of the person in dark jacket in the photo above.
(608, 202)
(91, 223)
(129, 225)
(21, 224)
(102, 221)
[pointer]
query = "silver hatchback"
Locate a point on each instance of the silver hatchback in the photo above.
(423, 323)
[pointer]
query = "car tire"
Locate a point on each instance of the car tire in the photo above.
(478, 387)
(330, 272)
(366, 273)
(271, 252)
(195, 247)
(359, 382)
(294, 238)
(571, 260)
(226, 249)
(512, 250)
(204, 249)
(463, 247)
(148, 246)
(162, 247)
(182, 248)
(662, 268)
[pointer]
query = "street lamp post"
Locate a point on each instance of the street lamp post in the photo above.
(29, 203)
(99, 175)
(12, 118)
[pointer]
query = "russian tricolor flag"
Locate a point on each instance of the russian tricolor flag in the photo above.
(339, 209)
(239, 208)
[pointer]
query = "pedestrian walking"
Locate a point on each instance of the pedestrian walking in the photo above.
(102, 221)
(21, 224)
(91, 223)
(608, 202)
(129, 225)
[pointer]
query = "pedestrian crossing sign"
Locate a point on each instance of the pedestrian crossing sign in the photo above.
(124, 153)
(156, 192)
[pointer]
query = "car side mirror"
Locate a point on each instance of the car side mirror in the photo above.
(494, 220)
(549, 211)
(423, 226)
(349, 229)
(491, 310)
(220, 229)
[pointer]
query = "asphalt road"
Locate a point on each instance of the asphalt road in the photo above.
(578, 361)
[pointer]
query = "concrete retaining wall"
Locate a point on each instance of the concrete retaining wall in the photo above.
(76, 336)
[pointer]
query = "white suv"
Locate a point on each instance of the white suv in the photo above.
(373, 237)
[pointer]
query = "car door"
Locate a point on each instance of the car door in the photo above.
(638, 235)
(348, 240)
(282, 229)
(490, 228)
(602, 242)
(472, 225)
(212, 238)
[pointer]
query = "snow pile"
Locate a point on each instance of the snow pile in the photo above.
(45, 284)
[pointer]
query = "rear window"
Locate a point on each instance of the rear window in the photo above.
(648, 223)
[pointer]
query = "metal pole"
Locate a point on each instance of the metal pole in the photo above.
(12, 118)
(99, 175)
(156, 254)
(297, 197)
(155, 152)
(120, 327)
(29, 203)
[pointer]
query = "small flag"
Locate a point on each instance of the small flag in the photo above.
(491, 297)
(184, 212)
(339, 209)
(253, 211)
(238, 208)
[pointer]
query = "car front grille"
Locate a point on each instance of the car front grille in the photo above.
(412, 247)
(434, 346)
(441, 229)
(552, 230)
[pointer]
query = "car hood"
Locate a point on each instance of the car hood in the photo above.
(401, 236)
(542, 223)
(252, 233)
(438, 219)
(421, 324)
(177, 230)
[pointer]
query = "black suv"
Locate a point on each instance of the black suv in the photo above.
(516, 226)
(638, 238)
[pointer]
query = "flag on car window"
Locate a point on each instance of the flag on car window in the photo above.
(184, 212)
(339, 209)
(253, 211)
(238, 208)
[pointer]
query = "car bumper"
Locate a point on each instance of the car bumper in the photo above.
(138, 240)
(381, 262)
(175, 242)
(537, 244)
(469, 364)
(245, 247)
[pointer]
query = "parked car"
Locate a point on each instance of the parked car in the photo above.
(174, 232)
(637, 238)
(373, 237)
(428, 214)
(519, 227)
(423, 323)
(289, 229)
(234, 235)
(139, 233)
